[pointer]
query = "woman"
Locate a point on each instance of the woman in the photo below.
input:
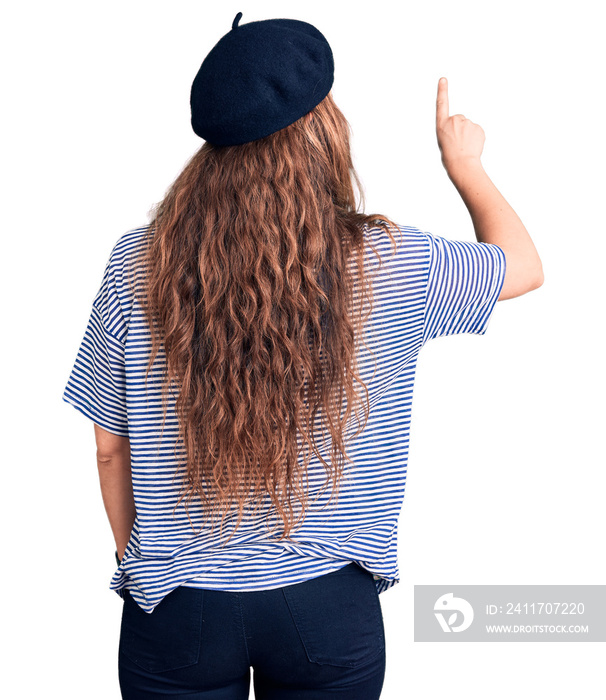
(252, 488)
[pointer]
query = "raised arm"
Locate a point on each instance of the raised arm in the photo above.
(494, 221)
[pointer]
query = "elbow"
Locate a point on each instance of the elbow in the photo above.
(105, 458)
(539, 278)
(534, 275)
(520, 282)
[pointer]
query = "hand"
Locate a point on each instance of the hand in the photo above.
(459, 139)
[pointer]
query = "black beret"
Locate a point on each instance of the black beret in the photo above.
(259, 78)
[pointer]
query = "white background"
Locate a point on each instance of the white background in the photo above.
(506, 476)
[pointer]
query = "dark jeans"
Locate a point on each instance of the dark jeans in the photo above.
(323, 638)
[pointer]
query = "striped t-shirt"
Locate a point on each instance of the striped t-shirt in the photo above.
(430, 287)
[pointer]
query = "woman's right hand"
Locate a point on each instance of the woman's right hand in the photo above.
(494, 221)
(460, 140)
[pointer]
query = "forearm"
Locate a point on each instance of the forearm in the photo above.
(494, 220)
(117, 492)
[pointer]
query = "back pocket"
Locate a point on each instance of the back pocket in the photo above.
(167, 638)
(338, 617)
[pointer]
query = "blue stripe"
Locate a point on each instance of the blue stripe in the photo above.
(431, 287)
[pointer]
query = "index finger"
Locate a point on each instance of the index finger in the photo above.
(442, 101)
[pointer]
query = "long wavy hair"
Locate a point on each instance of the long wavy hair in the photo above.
(246, 284)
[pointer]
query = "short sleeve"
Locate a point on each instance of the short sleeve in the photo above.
(97, 383)
(464, 283)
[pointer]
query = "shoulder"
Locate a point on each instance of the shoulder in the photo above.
(114, 300)
(410, 246)
(405, 236)
(124, 253)
(126, 247)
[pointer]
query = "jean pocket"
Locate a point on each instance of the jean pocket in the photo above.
(167, 638)
(338, 617)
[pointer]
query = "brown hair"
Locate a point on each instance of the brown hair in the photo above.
(247, 286)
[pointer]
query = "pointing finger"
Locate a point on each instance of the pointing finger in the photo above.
(442, 101)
